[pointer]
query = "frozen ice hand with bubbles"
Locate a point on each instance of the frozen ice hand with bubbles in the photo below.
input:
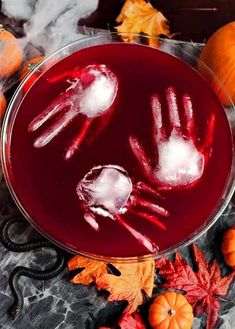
(181, 156)
(89, 97)
(107, 192)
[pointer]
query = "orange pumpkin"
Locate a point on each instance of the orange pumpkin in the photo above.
(27, 68)
(171, 311)
(30, 65)
(228, 247)
(218, 54)
(11, 54)
(3, 105)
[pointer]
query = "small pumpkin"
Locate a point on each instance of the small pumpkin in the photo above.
(171, 310)
(29, 66)
(3, 105)
(218, 54)
(228, 247)
(11, 54)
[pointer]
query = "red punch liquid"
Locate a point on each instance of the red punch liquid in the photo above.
(45, 183)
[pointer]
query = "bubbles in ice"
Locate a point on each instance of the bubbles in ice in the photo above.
(98, 96)
(105, 190)
(180, 163)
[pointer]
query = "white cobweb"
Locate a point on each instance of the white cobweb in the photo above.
(50, 24)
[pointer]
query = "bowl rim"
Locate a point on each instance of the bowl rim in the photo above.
(8, 123)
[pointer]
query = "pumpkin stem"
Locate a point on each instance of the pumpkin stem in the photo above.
(1, 28)
(172, 312)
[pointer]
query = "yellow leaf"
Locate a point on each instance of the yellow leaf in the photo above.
(129, 8)
(133, 279)
(138, 16)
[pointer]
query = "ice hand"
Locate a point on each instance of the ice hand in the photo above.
(108, 193)
(181, 155)
(90, 95)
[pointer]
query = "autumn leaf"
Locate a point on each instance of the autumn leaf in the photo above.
(138, 16)
(91, 269)
(201, 287)
(129, 321)
(134, 279)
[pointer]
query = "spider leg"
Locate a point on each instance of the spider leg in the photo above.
(159, 133)
(142, 239)
(77, 141)
(173, 109)
(190, 124)
(90, 219)
(140, 155)
(55, 128)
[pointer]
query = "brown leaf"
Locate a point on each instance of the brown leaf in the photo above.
(138, 16)
(202, 287)
(133, 279)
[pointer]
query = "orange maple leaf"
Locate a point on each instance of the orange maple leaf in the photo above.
(91, 269)
(134, 278)
(138, 16)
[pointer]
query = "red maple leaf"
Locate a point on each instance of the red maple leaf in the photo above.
(202, 287)
(129, 321)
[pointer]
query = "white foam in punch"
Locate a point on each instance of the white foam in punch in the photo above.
(98, 96)
(180, 163)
